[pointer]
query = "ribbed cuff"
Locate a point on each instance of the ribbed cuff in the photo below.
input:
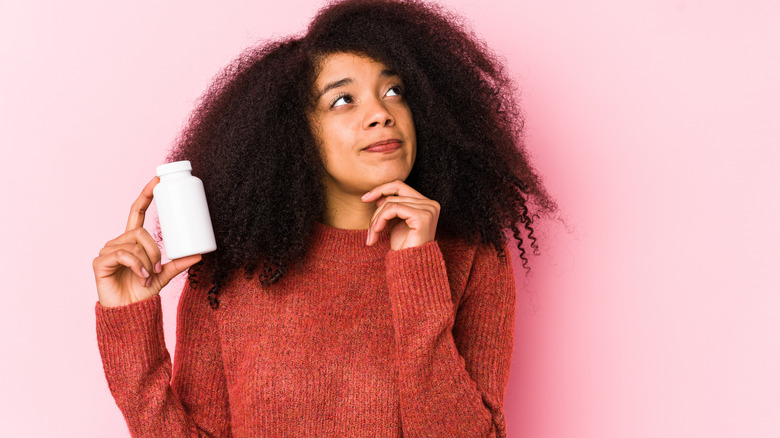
(131, 333)
(417, 281)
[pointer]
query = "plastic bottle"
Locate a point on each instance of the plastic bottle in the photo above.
(183, 212)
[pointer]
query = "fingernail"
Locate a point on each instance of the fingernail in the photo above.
(365, 196)
(148, 282)
(143, 271)
(158, 267)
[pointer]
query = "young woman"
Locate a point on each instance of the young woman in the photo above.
(361, 179)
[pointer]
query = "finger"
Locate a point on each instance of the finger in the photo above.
(373, 236)
(416, 202)
(415, 216)
(134, 248)
(405, 199)
(138, 209)
(108, 264)
(395, 212)
(142, 237)
(174, 268)
(387, 200)
(393, 188)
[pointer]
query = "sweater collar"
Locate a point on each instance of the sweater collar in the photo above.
(338, 244)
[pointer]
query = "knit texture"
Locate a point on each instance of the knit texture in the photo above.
(356, 341)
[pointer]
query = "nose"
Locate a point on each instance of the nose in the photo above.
(377, 114)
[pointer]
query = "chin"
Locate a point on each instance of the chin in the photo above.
(391, 177)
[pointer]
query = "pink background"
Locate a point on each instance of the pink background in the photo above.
(654, 123)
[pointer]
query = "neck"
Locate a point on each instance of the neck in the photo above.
(347, 211)
(346, 245)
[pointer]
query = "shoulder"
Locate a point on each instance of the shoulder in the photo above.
(471, 264)
(459, 251)
(464, 258)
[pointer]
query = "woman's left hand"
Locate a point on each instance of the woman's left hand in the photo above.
(412, 217)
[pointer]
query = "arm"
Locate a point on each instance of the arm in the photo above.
(138, 368)
(453, 370)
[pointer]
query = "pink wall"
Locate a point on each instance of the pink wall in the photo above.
(654, 124)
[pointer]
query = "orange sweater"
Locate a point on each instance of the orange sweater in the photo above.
(363, 342)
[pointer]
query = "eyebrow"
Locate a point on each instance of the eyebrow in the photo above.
(346, 81)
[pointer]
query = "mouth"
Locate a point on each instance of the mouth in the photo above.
(388, 145)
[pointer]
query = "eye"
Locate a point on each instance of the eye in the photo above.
(397, 89)
(346, 97)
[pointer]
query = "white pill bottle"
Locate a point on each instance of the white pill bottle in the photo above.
(184, 215)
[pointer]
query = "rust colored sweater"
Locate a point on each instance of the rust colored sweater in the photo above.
(357, 341)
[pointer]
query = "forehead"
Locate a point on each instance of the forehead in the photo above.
(342, 65)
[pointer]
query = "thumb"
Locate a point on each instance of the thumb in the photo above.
(176, 267)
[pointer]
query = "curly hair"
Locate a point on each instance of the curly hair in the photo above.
(250, 143)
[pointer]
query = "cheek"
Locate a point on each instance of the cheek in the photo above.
(409, 123)
(338, 155)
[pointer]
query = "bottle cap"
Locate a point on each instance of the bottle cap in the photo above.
(176, 166)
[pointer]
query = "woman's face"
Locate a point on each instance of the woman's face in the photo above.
(361, 102)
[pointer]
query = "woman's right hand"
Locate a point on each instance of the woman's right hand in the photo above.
(129, 267)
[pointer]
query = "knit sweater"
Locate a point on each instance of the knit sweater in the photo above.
(356, 341)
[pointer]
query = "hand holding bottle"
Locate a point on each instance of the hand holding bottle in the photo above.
(129, 268)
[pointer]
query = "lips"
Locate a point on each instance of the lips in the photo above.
(388, 145)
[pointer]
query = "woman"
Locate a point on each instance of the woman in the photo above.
(360, 181)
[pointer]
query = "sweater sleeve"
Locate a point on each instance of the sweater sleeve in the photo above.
(193, 401)
(453, 370)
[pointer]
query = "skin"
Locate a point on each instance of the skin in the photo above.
(365, 190)
(128, 268)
